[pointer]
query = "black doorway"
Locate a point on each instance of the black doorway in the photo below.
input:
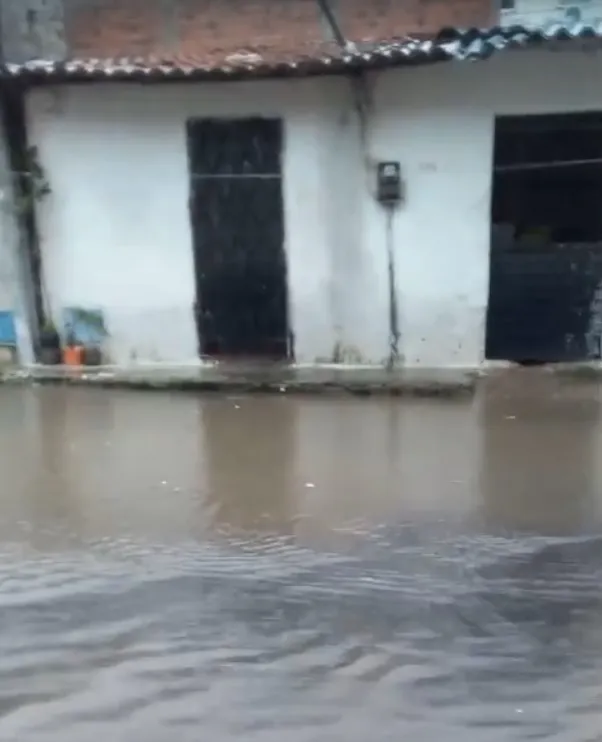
(545, 295)
(238, 234)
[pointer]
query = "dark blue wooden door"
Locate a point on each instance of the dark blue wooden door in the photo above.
(238, 232)
(542, 304)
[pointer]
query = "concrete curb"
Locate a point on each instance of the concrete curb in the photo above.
(286, 380)
(309, 380)
(577, 371)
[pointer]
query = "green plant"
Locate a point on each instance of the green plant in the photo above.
(49, 336)
(32, 181)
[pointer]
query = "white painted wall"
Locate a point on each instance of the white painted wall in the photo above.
(360, 300)
(438, 121)
(7, 236)
(540, 12)
(116, 231)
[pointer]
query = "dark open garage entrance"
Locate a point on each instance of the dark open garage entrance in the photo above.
(545, 301)
(238, 233)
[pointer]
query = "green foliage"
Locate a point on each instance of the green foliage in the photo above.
(90, 317)
(33, 178)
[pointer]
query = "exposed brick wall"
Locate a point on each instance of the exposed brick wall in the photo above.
(203, 30)
(286, 28)
(209, 31)
(387, 19)
(113, 28)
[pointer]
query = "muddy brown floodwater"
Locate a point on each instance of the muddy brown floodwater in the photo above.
(175, 567)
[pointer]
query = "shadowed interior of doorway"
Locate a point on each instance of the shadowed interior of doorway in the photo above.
(545, 301)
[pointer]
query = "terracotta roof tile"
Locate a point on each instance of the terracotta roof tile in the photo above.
(471, 44)
(178, 38)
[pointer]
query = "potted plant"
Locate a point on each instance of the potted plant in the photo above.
(93, 322)
(73, 352)
(92, 355)
(49, 344)
(85, 334)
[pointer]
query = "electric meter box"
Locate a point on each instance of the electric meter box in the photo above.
(388, 182)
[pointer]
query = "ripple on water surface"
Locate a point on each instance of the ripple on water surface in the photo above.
(439, 634)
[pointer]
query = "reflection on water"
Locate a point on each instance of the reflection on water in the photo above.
(541, 462)
(301, 569)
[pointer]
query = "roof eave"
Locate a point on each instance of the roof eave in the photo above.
(450, 44)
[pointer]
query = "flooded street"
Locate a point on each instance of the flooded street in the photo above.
(176, 567)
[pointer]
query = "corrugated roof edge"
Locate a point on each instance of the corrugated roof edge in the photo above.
(450, 43)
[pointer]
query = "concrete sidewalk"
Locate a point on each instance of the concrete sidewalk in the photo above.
(231, 377)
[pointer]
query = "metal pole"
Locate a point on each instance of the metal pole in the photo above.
(393, 307)
(328, 13)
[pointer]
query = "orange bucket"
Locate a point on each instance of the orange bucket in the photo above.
(73, 355)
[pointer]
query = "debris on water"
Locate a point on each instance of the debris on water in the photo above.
(237, 407)
(310, 485)
(510, 417)
(283, 389)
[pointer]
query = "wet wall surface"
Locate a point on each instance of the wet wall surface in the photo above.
(301, 569)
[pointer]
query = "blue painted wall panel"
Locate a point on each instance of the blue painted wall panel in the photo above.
(8, 330)
(85, 327)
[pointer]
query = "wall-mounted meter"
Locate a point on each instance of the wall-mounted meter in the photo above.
(388, 184)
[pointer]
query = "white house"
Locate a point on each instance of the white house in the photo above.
(155, 195)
